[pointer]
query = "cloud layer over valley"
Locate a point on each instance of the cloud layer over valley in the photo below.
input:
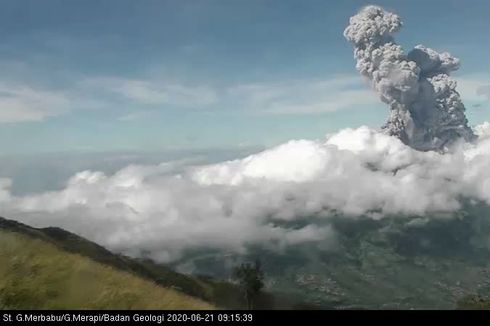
(161, 211)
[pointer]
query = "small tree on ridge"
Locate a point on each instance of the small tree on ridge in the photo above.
(251, 279)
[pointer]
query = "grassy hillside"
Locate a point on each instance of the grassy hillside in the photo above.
(35, 274)
(53, 268)
(474, 302)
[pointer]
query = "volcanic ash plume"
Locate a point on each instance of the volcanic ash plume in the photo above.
(426, 111)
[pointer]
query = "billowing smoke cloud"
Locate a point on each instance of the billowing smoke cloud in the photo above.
(426, 111)
(166, 210)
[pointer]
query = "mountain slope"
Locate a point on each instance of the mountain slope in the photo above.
(36, 274)
(29, 256)
(73, 243)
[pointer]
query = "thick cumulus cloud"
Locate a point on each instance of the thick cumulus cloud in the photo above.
(426, 111)
(163, 211)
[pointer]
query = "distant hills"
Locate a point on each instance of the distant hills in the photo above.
(395, 262)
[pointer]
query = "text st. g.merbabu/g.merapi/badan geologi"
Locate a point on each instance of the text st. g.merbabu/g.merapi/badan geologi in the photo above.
(104, 317)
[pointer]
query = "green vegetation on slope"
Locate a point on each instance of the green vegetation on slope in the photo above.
(474, 302)
(35, 274)
(222, 294)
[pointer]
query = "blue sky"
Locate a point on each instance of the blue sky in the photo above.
(114, 75)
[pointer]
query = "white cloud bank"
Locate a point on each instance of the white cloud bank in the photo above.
(165, 210)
